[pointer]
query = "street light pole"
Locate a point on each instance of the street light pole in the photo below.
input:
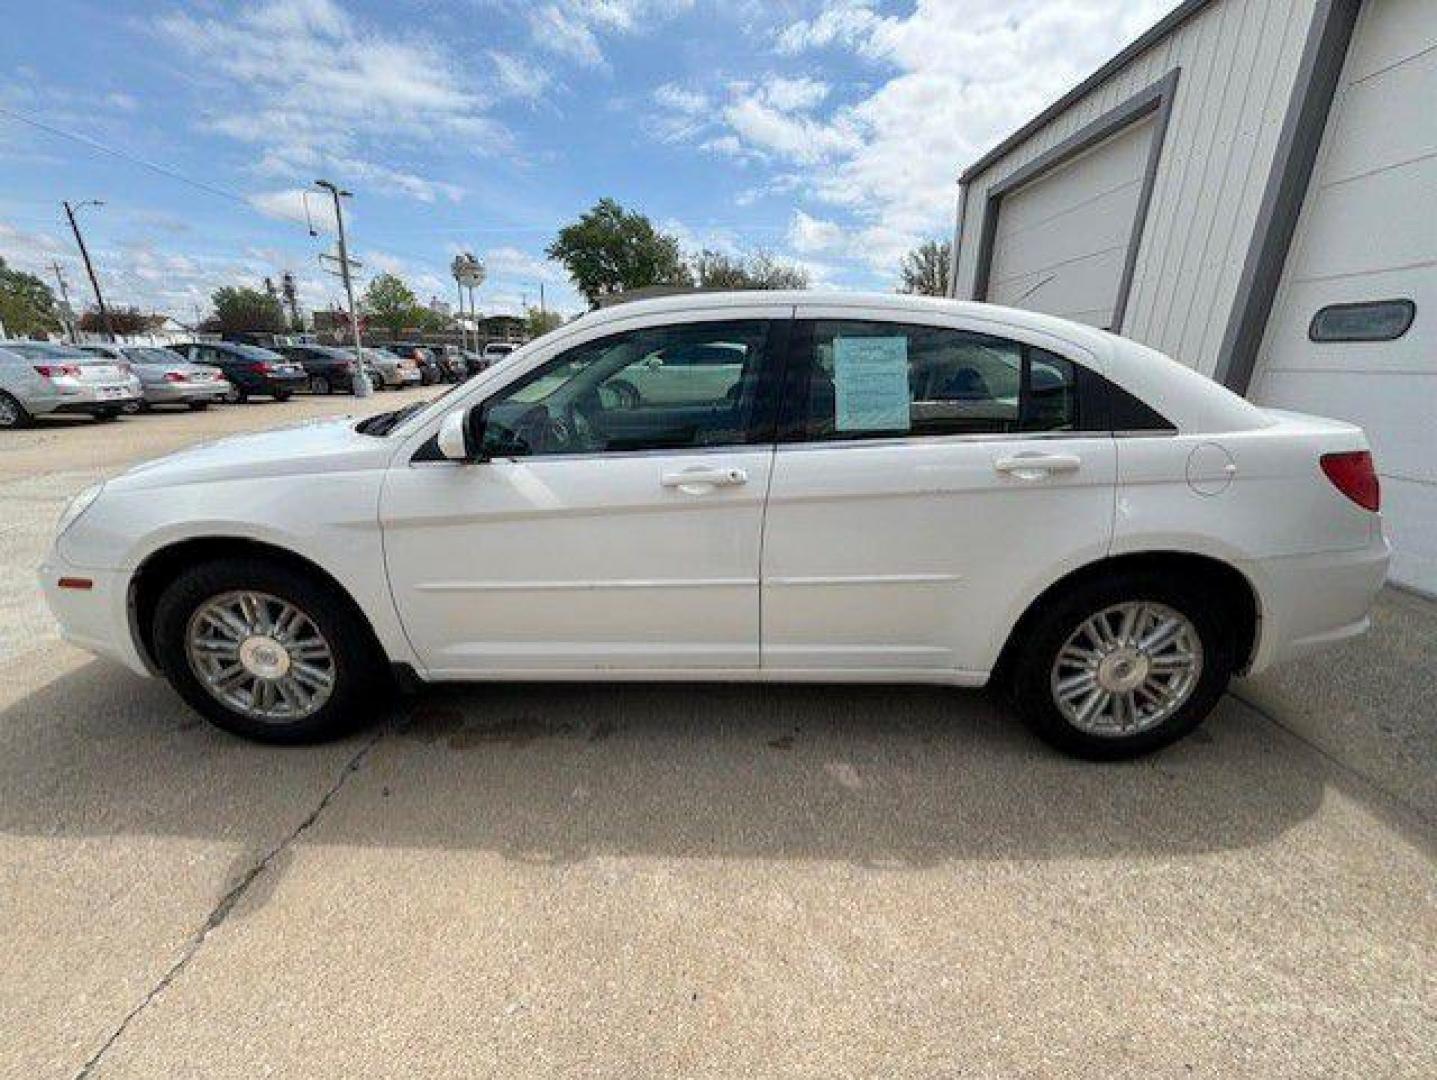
(65, 299)
(89, 267)
(360, 381)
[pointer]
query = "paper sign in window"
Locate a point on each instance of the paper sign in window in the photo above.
(870, 384)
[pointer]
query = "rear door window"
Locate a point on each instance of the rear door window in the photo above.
(864, 380)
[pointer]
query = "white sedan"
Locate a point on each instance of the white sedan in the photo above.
(887, 489)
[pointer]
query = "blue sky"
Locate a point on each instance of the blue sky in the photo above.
(827, 132)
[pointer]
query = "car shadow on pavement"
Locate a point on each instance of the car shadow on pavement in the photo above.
(875, 776)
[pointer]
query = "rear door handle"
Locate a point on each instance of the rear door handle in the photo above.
(698, 480)
(1035, 466)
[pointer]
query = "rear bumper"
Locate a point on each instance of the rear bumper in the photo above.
(82, 397)
(183, 393)
(1312, 602)
(97, 619)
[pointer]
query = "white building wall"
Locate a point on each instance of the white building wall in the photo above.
(1239, 60)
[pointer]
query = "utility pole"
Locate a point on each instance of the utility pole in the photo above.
(89, 267)
(362, 388)
(70, 323)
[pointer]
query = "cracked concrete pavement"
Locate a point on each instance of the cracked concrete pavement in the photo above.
(639, 880)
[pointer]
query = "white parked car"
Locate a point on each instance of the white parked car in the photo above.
(38, 378)
(891, 489)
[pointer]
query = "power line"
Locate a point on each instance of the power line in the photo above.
(124, 155)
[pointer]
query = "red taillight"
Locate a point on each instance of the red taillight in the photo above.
(261, 368)
(58, 371)
(1352, 473)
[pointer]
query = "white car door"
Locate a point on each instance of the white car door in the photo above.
(605, 532)
(928, 480)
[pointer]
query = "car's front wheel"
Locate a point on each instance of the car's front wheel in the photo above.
(266, 652)
(1120, 667)
(236, 395)
(319, 385)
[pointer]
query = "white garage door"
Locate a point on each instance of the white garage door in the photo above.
(1062, 240)
(1368, 232)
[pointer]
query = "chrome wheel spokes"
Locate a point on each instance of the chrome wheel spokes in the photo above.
(261, 656)
(1127, 669)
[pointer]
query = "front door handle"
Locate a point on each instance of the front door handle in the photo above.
(1035, 466)
(698, 480)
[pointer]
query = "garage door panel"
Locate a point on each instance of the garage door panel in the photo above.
(1290, 349)
(1388, 32)
(1104, 224)
(1373, 223)
(1087, 286)
(1112, 164)
(1396, 411)
(1385, 120)
(1409, 517)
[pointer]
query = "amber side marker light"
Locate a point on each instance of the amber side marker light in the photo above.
(75, 583)
(1353, 474)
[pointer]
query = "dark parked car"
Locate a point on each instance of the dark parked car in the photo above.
(330, 369)
(251, 371)
(429, 370)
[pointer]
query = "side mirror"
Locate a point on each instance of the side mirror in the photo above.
(461, 435)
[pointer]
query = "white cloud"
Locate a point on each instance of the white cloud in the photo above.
(307, 83)
(298, 205)
(573, 28)
(808, 234)
(950, 80)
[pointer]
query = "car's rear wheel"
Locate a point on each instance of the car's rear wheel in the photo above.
(236, 395)
(265, 652)
(199, 406)
(1120, 667)
(319, 385)
(104, 415)
(12, 413)
(283, 395)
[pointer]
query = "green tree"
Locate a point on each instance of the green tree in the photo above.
(541, 322)
(924, 270)
(391, 303)
(239, 309)
(27, 306)
(611, 250)
(715, 270)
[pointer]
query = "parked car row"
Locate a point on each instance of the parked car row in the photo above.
(38, 378)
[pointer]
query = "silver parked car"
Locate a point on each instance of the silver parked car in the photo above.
(167, 378)
(39, 377)
(389, 371)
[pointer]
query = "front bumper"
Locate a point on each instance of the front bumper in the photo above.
(98, 619)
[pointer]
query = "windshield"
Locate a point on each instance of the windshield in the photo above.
(153, 356)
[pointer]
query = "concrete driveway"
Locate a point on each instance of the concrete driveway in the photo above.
(715, 881)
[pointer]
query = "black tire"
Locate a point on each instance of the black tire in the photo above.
(133, 408)
(104, 416)
(358, 661)
(199, 406)
(282, 395)
(1060, 617)
(236, 395)
(319, 385)
(12, 413)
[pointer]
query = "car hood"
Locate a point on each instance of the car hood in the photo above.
(319, 446)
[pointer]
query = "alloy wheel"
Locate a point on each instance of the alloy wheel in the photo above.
(1127, 669)
(261, 656)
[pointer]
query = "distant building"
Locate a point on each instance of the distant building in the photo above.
(1250, 187)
